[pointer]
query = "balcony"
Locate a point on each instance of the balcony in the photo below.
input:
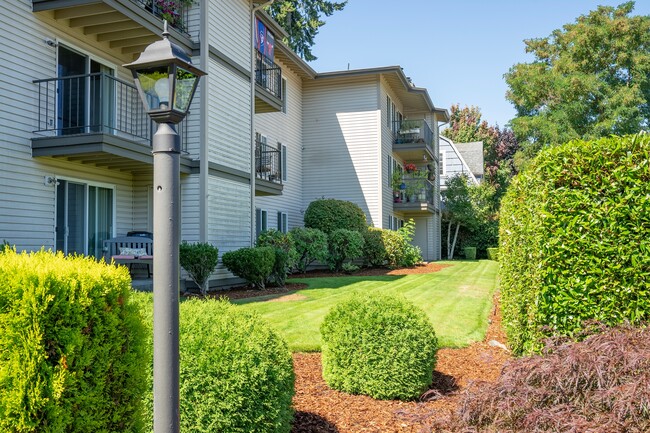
(415, 196)
(413, 140)
(268, 173)
(268, 85)
(96, 119)
(126, 26)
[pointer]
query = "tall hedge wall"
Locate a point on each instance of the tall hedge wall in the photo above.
(575, 240)
(73, 348)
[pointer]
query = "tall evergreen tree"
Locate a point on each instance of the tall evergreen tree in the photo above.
(302, 19)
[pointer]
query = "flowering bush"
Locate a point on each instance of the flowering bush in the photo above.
(170, 10)
(410, 168)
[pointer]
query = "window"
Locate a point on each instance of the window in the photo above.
(389, 114)
(260, 221)
(283, 161)
(443, 163)
(84, 217)
(284, 95)
(283, 222)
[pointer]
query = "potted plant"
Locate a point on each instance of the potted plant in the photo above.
(396, 183)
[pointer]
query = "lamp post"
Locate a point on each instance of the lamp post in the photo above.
(166, 81)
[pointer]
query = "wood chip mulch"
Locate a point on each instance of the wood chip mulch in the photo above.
(319, 409)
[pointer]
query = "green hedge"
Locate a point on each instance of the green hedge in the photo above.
(311, 245)
(236, 374)
(255, 265)
(378, 345)
(72, 348)
(329, 214)
(575, 240)
(374, 251)
(285, 254)
(493, 253)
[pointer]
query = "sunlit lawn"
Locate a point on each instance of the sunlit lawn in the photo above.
(457, 300)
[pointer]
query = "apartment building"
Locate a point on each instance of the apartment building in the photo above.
(265, 136)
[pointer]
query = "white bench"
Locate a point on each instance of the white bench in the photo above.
(127, 250)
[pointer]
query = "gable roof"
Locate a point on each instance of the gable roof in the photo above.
(472, 153)
(470, 172)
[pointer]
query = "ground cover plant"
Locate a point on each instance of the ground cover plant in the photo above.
(378, 345)
(599, 385)
(575, 242)
(72, 347)
(236, 373)
(457, 301)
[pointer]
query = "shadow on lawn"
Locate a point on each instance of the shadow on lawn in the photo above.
(308, 422)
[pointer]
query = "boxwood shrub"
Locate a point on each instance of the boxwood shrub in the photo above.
(236, 374)
(378, 345)
(374, 251)
(254, 265)
(344, 245)
(575, 240)
(285, 254)
(311, 245)
(329, 214)
(72, 348)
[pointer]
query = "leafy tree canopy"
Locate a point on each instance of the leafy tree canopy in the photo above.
(589, 79)
(302, 19)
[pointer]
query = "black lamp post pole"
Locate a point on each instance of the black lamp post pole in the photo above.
(166, 278)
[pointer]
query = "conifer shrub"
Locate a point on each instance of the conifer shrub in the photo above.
(254, 265)
(310, 244)
(72, 348)
(330, 214)
(344, 245)
(374, 251)
(378, 345)
(575, 242)
(236, 373)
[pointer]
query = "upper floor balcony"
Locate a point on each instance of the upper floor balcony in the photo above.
(268, 85)
(96, 119)
(413, 140)
(415, 196)
(126, 26)
(268, 171)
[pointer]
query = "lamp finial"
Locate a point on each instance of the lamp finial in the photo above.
(165, 32)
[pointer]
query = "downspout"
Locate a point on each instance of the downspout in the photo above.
(254, 9)
(204, 174)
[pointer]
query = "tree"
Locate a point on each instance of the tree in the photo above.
(458, 209)
(589, 79)
(301, 20)
(499, 146)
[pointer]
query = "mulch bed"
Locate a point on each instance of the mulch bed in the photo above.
(319, 409)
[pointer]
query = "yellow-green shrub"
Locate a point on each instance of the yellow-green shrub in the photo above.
(236, 374)
(575, 240)
(72, 346)
(378, 345)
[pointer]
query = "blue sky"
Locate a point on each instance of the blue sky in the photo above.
(457, 49)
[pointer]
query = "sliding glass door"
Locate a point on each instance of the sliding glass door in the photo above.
(84, 217)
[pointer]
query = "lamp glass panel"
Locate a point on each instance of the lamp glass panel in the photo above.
(185, 84)
(152, 81)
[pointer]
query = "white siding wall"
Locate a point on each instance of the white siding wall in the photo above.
(341, 135)
(286, 129)
(27, 205)
(229, 29)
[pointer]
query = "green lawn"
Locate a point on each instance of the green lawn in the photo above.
(457, 299)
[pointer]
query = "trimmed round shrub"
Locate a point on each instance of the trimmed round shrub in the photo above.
(254, 265)
(344, 245)
(378, 345)
(199, 260)
(329, 214)
(73, 350)
(311, 245)
(236, 374)
(374, 252)
(575, 240)
(285, 254)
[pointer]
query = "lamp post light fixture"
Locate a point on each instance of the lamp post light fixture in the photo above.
(166, 81)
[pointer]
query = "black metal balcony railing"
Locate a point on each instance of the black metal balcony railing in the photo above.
(92, 104)
(413, 131)
(268, 75)
(417, 190)
(267, 162)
